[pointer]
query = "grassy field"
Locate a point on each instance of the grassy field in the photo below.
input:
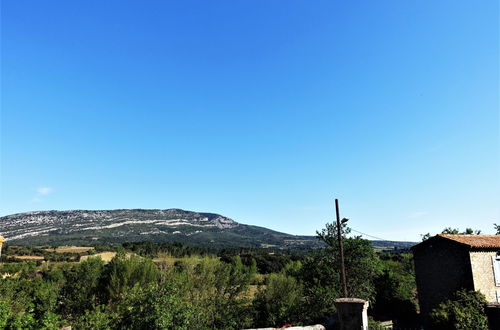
(29, 258)
(70, 249)
(105, 256)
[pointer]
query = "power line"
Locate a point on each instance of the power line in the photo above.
(382, 239)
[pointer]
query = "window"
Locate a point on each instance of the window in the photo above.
(496, 269)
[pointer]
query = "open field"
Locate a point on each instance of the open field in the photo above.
(168, 259)
(105, 256)
(28, 258)
(70, 249)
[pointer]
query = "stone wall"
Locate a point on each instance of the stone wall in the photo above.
(483, 275)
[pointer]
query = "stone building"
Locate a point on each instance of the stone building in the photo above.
(446, 263)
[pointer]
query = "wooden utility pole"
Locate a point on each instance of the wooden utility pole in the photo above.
(341, 244)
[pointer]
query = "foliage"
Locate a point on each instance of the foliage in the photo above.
(278, 303)
(4, 314)
(82, 289)
(27, 319)
(199, 288)
(176, 249)
(17, 267)
(464, 310)
(396, 297)
(321, 287)
(361, 262)
(319, 273)
(96, 319)
(220, 290)
(265, 261)
(374, 325)
(44, 298)
(425, 237)
(456, 231)
(126, 271)
(50, 321)
(155, 307)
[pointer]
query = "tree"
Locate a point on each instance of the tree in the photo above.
(154, 307)
(425, 237)
(218, 289)
(278, 302)
(97, 319)
(456, 231)
(361, 262)
(124, 272)
(4, 314)
(320, 273)
(45, 299)
(470, 231)
(396, 290)
(82, 290)
(464, 310)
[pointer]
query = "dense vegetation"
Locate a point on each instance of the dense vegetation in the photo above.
(166, 286)
(464, 310)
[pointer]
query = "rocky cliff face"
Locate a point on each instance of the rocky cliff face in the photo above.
(119, 223)
(83, 227)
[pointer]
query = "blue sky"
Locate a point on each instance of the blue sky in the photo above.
(263, 111)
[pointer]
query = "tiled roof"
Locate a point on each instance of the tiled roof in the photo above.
(476, 241)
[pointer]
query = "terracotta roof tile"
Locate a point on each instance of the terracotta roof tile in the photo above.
(477, 241)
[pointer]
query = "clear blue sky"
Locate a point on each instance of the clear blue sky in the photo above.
(263, 111)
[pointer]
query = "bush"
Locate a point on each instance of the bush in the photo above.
(220, 291)
(279, 301)
(82, 291)
(465, 310)
(10, 320)
(319, 279)
(97, 319)
(4, 314)
(155, 307)
(124, 272)
(396, 297)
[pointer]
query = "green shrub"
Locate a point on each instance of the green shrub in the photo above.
(464, 310)
(81, 291)
(396, 297)
(124, 272)
(278, 302)
(4, 314)
(49, 321)
(97, 319)
(155, 307)
(219, 290)
(375, 325)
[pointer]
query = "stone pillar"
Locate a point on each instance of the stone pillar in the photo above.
(493, 313)
(353, 313)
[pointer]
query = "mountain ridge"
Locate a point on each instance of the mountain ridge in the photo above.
(79, 227)
(129, 225)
